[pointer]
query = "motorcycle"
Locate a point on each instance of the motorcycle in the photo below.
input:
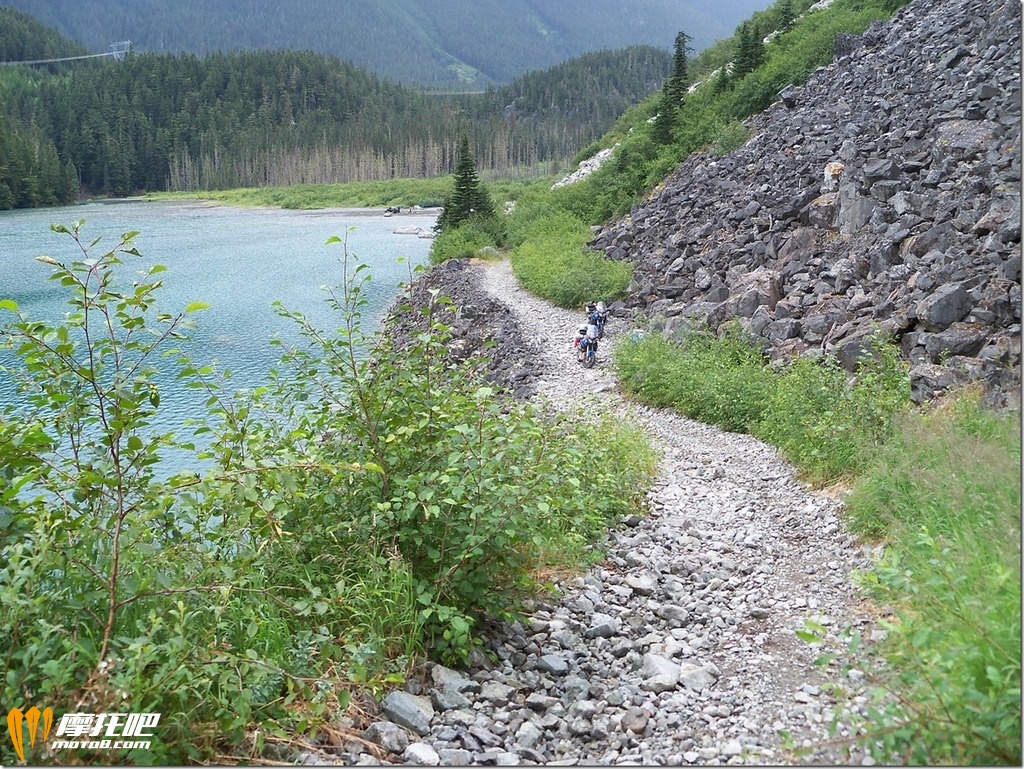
(586, 346)
(597, 315)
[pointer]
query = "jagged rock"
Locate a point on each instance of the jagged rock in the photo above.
(420, 754)
(497, 693)
(899, 174)
(696, 677)
(449, 698)
(928, 380)
(388, 735)
(602, 626)
(455, 757)
(642, 584)
(529, 735)
(944, 307)
(553, 664)
(408, 710)
(635, 720)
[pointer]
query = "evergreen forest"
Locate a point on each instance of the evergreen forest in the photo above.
(254, 118)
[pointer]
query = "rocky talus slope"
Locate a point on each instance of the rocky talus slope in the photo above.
(681, 646)
(884, 193)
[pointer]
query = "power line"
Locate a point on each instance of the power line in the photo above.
(117, 50)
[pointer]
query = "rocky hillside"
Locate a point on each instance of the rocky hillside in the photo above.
(884, 193)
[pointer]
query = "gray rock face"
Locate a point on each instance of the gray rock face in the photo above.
(887, 175)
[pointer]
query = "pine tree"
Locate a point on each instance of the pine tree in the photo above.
(750, 50)
(673, 92)
(722, 81)
(469, 198)
(787, 15)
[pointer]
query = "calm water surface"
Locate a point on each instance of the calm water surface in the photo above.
(238, 260)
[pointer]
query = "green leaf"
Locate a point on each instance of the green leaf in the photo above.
(197, 306)
(810, 638)
(8, 304)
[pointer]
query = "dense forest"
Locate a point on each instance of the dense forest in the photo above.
(251, 118)
(444, 44)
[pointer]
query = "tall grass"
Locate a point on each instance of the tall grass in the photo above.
(554, 263)
(945, 495)
(824, 421)
(373, 194)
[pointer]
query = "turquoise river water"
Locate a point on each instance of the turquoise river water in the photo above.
(239, 260)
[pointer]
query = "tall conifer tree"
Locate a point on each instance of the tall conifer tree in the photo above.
(749, 50)
(673, 92)
(787, 15)
(469, 198)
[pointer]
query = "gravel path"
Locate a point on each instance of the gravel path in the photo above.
(680, 648)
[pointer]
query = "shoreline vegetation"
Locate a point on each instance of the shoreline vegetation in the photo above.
(404, 193)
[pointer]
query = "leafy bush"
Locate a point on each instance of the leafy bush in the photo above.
(828, 423)
(555, 264)
(466, 240)
(365, 505)
(945, 493)
(466, 489)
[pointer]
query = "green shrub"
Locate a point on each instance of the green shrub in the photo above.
(367, 504)
(828, 423)
(465, 240)
(945, 493)
(722, 381)
(731, 136)
(556, 265)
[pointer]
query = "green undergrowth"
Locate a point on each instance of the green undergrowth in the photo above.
(824, 421)
(944, 494)
(550, 259)
(404, 193)
(364, 508)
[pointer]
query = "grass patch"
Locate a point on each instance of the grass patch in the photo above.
(554, 263)
(824, 421)
(405, 193)
(722, 382)
(945, 495)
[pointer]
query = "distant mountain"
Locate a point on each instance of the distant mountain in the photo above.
(247, 118)
(440, 44)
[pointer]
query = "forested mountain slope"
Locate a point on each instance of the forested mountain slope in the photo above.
(23, 38)
(253, 118)
(441, 44)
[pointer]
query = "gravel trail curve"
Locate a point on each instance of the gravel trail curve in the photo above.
(681, 647)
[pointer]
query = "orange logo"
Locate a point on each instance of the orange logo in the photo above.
(14, 721)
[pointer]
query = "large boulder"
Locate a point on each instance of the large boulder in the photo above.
(944, 306)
